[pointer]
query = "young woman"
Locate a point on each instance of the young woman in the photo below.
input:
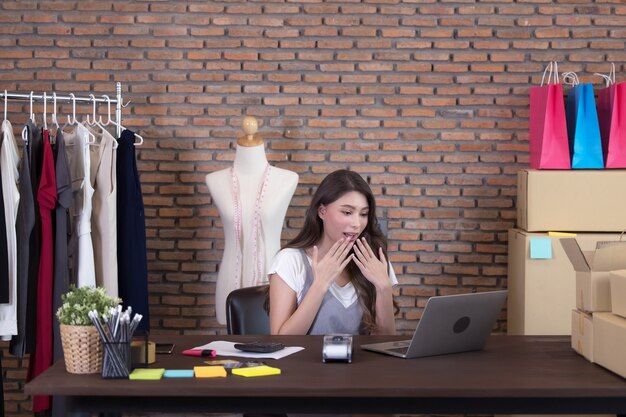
(333, 277)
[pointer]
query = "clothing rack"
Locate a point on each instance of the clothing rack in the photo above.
(73, 99)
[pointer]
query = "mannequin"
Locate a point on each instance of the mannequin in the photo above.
(261, 188)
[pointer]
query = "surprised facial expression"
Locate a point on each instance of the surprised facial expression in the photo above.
(345, 217)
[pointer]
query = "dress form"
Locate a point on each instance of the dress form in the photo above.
(249, 170)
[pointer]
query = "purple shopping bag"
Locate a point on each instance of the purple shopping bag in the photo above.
(611, 106)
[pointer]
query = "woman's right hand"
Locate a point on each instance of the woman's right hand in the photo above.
(328, 269)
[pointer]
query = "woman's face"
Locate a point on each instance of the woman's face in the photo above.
(345, 217)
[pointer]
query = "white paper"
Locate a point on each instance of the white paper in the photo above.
(223, 348)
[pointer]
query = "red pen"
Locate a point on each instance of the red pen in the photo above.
(198, 352)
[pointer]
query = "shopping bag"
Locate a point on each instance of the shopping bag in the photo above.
(583, 130)
(611, 106)
(547, 127)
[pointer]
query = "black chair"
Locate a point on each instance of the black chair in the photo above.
(245, 312)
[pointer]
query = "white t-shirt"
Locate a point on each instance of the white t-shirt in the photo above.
(288, 264)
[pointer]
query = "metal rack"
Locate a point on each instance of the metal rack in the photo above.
(73, 99)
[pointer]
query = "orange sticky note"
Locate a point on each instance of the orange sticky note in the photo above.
(209, 371)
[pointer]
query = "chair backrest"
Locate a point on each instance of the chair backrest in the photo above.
(245, 312)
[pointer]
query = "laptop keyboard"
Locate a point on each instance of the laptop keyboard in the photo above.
(402, 350)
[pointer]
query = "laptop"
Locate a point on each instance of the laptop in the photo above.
(449, 324)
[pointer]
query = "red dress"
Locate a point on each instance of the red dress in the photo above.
(47, 197)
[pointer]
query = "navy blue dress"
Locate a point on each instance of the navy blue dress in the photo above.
(132, 263)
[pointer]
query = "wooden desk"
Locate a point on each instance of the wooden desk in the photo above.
(514, 374)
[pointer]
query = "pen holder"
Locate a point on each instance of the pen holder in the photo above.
(116, 360)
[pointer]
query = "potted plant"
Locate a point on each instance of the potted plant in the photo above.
(82, 348)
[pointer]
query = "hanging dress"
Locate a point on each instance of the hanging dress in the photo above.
(104, 213)
(46, 196)
(24, 228)
(80, 247)
(9, 158)
(61, 280)
(35, 141)
(4, 250)
(131, 232)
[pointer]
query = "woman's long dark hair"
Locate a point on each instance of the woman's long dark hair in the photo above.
(333, 187)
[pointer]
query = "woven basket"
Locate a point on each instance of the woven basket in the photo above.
(82, 349)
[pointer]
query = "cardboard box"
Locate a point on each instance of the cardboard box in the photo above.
(538, 288)
(618, 292)
(571, 200)
(609, 339)
(593, 288)
(582, 333)
(542, 292)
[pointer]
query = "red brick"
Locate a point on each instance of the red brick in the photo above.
(551, 33)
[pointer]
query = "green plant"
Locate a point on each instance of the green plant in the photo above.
(78, 302)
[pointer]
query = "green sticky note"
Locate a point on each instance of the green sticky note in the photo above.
(540, 248)
(147, 373)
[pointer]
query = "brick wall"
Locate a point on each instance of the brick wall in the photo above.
(428, 99)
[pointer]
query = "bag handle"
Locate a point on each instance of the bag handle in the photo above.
(553, 74)
(570, 78)
(608, 79)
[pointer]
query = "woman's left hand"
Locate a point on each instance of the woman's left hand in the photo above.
(375, 269)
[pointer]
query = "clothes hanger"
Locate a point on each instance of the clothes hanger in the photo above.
(45, 111)
(54, 114)
(32, 118)
(55, 124)
(94, 120)
(109, 120)
(32, 114)
(45, 118)
(136, 135)
(92, 137)
(69, 118)
(5, 104)
(73, 121)
(140, 140)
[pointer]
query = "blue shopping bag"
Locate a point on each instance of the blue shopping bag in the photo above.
(583, 129)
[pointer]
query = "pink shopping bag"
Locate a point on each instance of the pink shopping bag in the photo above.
(549, 148)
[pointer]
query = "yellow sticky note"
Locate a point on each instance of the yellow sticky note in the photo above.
(561, 234)
(146, 374)
(209, 371)
(256, 371)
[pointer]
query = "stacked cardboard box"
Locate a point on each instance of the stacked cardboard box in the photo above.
(594, 273)
(542, 285)
(571, 201)
(542, 281)
(606, 337)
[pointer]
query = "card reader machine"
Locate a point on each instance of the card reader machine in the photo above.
(337, 348)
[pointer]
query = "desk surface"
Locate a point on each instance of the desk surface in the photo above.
(514, 374)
